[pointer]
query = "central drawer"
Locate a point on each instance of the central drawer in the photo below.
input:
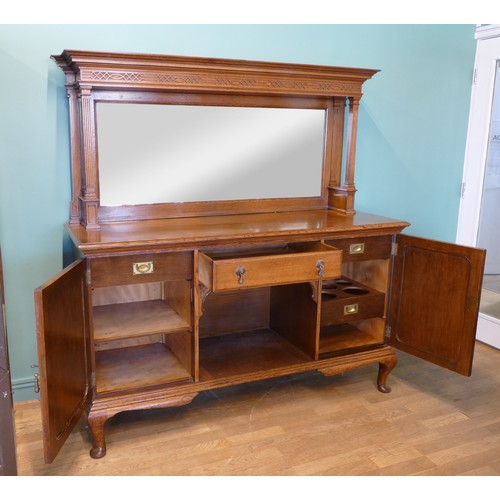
(293, 263)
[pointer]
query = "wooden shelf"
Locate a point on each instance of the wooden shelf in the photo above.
(235, 354)
(136, 367)
(346, 336)
(134, 319)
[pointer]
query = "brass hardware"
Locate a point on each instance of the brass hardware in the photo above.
(142, 268)
(240, 272)
(351, 309)
(320, 266)
(356, 248)
(37, 378)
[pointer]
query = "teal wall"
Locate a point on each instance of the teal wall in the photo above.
(413, 124)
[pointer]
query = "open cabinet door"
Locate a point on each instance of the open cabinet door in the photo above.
(62, 355)
(435, 295)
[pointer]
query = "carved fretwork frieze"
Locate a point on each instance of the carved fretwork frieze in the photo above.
(180, 80)
(115, 76)
(184, 79)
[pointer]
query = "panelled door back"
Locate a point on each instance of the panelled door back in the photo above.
(435, 301)
(62, 355)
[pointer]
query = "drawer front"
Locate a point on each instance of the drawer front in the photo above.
(299, 263)
(140, 268)
(364, 248)
(344, 300)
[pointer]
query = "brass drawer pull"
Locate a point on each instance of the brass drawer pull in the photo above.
(240, 273)
(356, 248)
(351, 309)
(142, 268)
(320, 266)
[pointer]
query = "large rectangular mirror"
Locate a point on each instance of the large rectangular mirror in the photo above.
(165, 153)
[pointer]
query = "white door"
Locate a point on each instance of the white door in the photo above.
(479, 217)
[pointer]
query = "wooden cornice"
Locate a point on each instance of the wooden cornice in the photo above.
(99, 70)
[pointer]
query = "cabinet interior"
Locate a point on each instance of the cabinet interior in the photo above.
(149, 334)
(354, 307)
(143, 334)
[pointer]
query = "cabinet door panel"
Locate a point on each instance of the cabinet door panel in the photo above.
(62, 355)
(435, 301)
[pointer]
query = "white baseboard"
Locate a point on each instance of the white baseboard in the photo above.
(487, 330)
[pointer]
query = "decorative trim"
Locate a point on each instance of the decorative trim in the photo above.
(180, 80)
(113, 76)
(485, 31)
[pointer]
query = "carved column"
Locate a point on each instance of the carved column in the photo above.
(89, 198)
(341, 197)
(338, 140)
(76, 168)
(349, 185)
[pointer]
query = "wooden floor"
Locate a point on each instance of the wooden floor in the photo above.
(432, 423)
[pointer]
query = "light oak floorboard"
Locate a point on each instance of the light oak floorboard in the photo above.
(433, 423)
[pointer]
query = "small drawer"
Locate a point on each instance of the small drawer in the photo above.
(295, 263)
(140, 268)
(364, 248)
(344, 300)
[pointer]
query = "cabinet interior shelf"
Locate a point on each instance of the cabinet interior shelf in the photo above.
(134, 319)
(232, 355)
(345, 336)
(136, 367)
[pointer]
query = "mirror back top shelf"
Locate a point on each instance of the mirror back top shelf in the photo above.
(165, 137)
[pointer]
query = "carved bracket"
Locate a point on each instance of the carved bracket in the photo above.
(204, 292)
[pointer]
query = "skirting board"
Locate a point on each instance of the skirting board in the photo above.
(487, 330)
(23, 389)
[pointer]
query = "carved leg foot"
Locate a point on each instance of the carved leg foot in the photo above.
(96, 425)
(384, 369)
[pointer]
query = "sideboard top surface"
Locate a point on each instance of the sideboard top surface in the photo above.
(228, 229)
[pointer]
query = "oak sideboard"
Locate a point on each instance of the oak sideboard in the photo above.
(215, 242)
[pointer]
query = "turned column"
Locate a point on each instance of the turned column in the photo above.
(341, 197)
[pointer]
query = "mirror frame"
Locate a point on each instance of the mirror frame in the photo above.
(93, 77)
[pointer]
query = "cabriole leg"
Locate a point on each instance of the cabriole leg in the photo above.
(96, 425)
(384, 369)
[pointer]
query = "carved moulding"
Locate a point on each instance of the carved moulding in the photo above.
(180, 80)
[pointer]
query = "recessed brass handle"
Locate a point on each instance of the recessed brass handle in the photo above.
(351, 309)
(142, 268)
(356, 248)
(320, 266)
(240, 273)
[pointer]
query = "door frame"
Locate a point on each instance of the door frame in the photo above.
(8, 460)
(487, 55)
